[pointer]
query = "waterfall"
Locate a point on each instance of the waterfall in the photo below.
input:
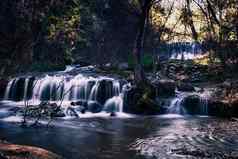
(181, 50)
(26, 88)
(7, 91)
(204, 98)
(116, 102)
(175, 106)
(102, 90)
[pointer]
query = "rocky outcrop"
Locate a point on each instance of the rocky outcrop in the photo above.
(105, 90)
(214, 107)
(188, 71)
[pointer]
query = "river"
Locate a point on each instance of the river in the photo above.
(99, 136)
(164, 136)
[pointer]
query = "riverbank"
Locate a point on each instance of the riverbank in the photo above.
(12, 151)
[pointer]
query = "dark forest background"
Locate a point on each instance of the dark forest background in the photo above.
(42, 35)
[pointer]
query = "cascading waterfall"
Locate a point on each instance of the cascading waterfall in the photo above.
(7, 92)
(116, 103)
(176, 105)
(204, 98)
(189, 51)
(105, 91)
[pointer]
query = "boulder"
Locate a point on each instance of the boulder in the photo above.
(16, 93)
(94, 107)
(219, 108)
(113, 114)
(105, 90)
(192, 104)
(139, 101)
(215, 107)
(185, 87)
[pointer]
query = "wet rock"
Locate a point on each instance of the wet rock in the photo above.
(17, 92)
(94, 107)
(81, 109)
(105, 90)
(185, 87)
(113, 114)
(192, 104)
(72, 112)
(219, 108)
(3, 86)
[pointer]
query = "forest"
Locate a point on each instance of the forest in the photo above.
(118, 79)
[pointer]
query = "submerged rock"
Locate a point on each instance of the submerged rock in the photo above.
(94, 107)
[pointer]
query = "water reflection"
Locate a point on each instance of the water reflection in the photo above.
(139, 137)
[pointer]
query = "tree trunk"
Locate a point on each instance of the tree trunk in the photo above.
(190, 18)
(236, 31)
(137, 51)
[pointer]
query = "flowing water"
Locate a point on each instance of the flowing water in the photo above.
(182, 51)
(167, 136)
(62, 87)
(99, 136)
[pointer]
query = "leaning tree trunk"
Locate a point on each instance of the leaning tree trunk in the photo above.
(137, 51)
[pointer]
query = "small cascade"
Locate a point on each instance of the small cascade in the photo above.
(114, 104)
(204, 98)
(190, 103)
(7, 92)
(26, 88)
(175, 106)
